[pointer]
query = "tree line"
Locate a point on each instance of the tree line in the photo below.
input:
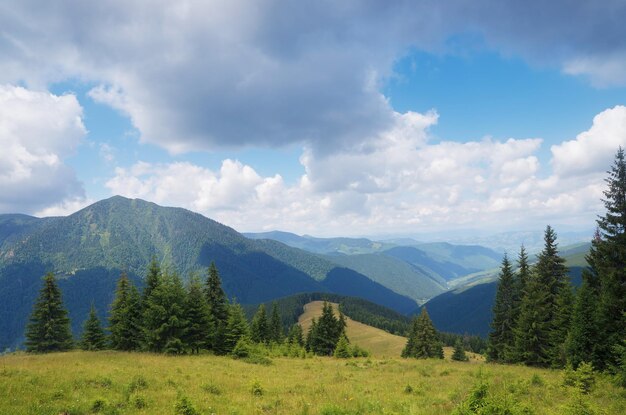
(540, 321)
(169, 317)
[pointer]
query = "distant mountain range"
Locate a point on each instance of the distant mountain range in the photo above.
(89, 249)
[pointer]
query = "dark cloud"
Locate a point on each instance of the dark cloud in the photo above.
(202, 75)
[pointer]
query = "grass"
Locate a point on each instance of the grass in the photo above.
(138, 383)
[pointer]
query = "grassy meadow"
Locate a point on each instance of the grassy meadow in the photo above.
(138, 383)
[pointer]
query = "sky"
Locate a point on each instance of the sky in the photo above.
(324, 118)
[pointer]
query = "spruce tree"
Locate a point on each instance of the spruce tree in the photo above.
(342, 350)
(152, 279)
(295, 335)
(236, 329)
(165, 325)
(93, 337)
(219, 308)
(49, 327)
(523, 269)
(198, 317)
(609, 262)
(423, 340)
(311, 336)
(326, 332)
(502, 338)
(532, 330)
(561, 320)
(459, 352)
(125, 319)
(583, 332)
(276, 325)
(259, 329)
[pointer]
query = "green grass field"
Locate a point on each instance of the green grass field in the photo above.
(137, 383)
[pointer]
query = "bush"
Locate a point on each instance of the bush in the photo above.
(138, 401)
(582, 378)
(258, 360)
(98, 405)
(257, 389)
(212, 388)
(242, 349)
(184, 406)
(359, 352)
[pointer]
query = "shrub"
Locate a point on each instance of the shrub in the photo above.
(98, 405)
(257, 389)
(138, 383)
(184, 406)
(138, 401)
(242, 349)
(258, 360)
(212, 388)
(408, 389)
(582, 378)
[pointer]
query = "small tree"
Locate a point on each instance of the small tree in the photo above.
(93, 337)
(259, 329)
(423, 340)
(275, 325)
(49, 326)
(198, 317)
(459, 352)
(342, 350)
(325, 333)
(295, 335)
(152, 279)
(236, 329)
(501, 337)
(219, 309)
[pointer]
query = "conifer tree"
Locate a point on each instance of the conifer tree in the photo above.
(342, 350)
(325, 333)
(609, 261)
(198, 317)
(533, 326)
(259, 329)
(236, 329)
(561, 324)
(125, 319)
(165, 325)
(49, 327)
(502, 338)
(583, 332)
(295, 335)
(459, 352)
(276, 325)
(523, 269)
(219, 308)
(423, 340)
(311, 335)
(152, 279)
(93, 337)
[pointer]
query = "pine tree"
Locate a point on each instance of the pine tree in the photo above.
(198, 317)
(125, 319)
(49, 327)
(325, 333)
(423, 340)
(93, 337)
(219, 308)
(561, 323)
(533, 326)
(165, 325)
(502, 338)
(295, 335)
(342, 350)
(275, 325)
(609, 262)
(236, 329)
(152, 279)
(583, 332)
(311, 336)
(523, 269)
(259, 329)
(459, 352)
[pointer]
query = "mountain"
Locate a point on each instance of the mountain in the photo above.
(395, 274)
(348, 246)
(89, 249)
(468, 309)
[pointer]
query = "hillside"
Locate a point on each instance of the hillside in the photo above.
(89, 249)
(346, 246)
(378, 342)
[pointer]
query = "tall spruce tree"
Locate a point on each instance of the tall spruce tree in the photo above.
(125, 318)
(502, 337)
(561, 323)
(219, 308)
(152, 279)
(259, 329)
(423, 341)
(583, 332)
(198, 317)
(295, 335)
(165, 325)
(237, 328)
(276, 325)
(609, 261)
(325, 332)
(93, 337)
(49, 327)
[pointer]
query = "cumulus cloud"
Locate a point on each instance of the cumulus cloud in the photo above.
(400, 180)
(38, 131)
(201, 75)
(592, 150)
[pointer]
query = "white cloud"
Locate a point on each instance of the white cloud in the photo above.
(592, 151)
(38, 131)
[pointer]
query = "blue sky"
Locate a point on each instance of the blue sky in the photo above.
(361, 118)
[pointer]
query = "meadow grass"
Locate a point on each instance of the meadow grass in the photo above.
(140, 383)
